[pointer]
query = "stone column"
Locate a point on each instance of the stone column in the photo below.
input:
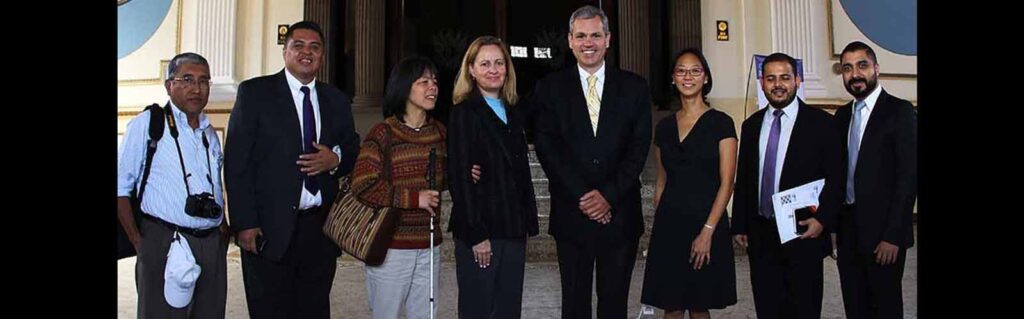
(215, 40)
(369, 66)
(685, 24)
(634, 37)
(795, 33)
(319, 11)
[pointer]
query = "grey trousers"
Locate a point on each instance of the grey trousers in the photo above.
(402, 278)
(210, 295)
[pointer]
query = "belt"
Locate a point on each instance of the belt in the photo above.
(191, 231)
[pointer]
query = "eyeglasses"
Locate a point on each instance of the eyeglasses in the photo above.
(192, 82)
(692, 72)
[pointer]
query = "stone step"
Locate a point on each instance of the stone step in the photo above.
(541, 248)
(536, 171)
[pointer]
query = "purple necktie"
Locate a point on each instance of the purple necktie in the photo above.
(308, 136)
(768, 174)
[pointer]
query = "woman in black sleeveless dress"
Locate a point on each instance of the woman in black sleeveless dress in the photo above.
(690, 265)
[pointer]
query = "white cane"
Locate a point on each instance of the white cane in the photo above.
(432, 265)
(432, 184)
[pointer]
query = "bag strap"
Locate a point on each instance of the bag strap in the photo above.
(386, 168)
(385, 174)
(156, 131)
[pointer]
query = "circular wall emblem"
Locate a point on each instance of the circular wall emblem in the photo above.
(137, 21)
(891, 24)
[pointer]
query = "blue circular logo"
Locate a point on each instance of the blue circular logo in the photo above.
(137, 21)
(892, 24)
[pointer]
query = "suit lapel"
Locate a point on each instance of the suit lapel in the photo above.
(844, 116)
(579, 115)
(492, 124)
(286, 107)
(749, 143)
(872, 128)
(878, 114)
(609, 99)
(755, 140)
(323, 137)
(796, 144)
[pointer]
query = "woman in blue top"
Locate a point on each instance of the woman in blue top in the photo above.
(492, 217)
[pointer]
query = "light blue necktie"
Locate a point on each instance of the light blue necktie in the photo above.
(854, 148)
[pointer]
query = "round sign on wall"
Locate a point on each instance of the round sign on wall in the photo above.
(137, 21)
(891, 24)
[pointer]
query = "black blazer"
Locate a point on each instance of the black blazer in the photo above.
(264, 142)
(814, 153)
(577, 162)
(502, 204)
(886, 175)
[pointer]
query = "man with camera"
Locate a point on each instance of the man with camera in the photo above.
(180, 235)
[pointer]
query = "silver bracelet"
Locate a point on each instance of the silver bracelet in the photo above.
(709, 227)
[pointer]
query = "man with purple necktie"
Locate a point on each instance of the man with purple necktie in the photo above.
(782, 146)
(289, 140)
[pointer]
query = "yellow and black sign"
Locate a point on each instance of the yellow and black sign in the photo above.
(282, 29)
(723, 30)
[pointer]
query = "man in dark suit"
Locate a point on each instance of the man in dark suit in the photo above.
(881, 183)
(289, 139)
(593, 135)
(785, 145)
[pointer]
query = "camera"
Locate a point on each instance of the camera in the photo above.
(202, 205)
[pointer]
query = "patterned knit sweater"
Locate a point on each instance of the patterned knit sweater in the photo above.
(410, 150)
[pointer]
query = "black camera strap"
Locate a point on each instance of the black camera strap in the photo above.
(209, 171)
(172, 124)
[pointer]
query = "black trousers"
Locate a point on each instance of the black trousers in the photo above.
(870, 290)
(785, 284)
(614, 263)
(495, 291)
(299, 285)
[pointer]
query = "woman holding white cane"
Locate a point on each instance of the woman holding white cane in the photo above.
(408, 134)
